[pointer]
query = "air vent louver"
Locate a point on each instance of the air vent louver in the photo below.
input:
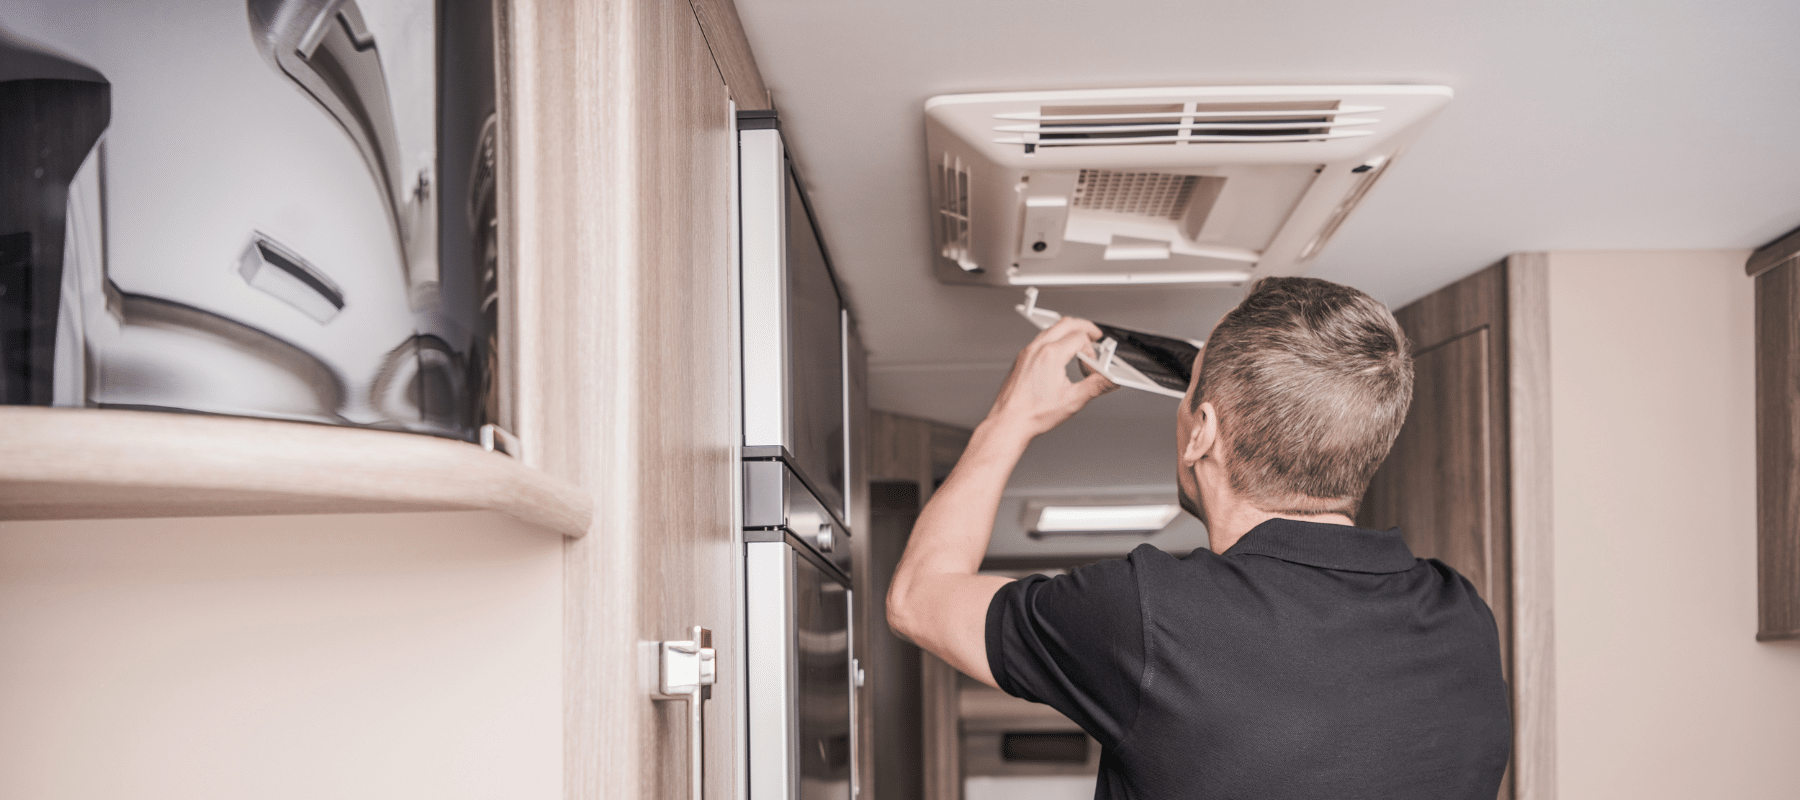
(952, 186)
(1179, 124)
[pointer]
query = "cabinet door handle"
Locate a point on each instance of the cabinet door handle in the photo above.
(686, 672)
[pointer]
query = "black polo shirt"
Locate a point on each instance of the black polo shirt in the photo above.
(1308, 661)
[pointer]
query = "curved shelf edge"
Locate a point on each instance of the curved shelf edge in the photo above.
(81, 463)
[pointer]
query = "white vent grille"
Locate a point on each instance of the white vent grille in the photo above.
(1149, 194)
(952, 183)
(1176, 124)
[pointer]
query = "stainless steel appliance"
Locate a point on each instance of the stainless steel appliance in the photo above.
(305, 229)
(802, 678)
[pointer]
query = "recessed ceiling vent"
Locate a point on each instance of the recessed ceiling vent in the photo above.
(1194, 185)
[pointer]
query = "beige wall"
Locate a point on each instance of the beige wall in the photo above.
(1662, 690)
(356, 656)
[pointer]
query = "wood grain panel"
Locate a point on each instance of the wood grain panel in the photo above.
(731, 52)
(86, 463)
(1773, 253)
(1437, 485)
(1451, 475)
(895, 699)
(1778, 452)
(899, 448)
(940, 688)
(921, 452)
(620, 199)
(1530, 435)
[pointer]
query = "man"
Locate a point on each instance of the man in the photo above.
(1299, 657)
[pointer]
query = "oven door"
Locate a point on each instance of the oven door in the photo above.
(799, 681)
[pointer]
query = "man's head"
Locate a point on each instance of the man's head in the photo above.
(1297, 398)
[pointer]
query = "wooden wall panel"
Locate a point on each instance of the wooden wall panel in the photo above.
(1529, 443)
(895, 701)
(731, 51)
(620, 201)
(1778, 451)
(1469, 478)
(899, 449)
(922, 452)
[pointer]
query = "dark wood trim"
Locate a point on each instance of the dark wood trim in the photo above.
(724, 33)
(1778, 452)
(1503, 311)
(1773, 253)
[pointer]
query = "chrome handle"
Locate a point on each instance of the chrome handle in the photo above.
(687, 671)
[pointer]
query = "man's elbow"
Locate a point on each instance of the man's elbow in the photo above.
(901, 616)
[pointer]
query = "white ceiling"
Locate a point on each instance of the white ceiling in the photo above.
(1578, 125)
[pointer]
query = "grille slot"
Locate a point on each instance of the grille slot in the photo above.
(952, 185)
(1174, 124)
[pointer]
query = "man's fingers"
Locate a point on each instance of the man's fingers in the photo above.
(1095, 384)
(1076, 337)
(1073, 324)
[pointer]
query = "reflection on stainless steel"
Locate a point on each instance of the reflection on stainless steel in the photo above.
(166, 355)
(388, 309)
(422, 379)
(288, 277)
(798, 641)
(815, 355)
(52, 113)
(326, 47)
(484, 230)
(822, 644)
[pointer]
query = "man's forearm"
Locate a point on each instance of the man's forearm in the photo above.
(937, 599)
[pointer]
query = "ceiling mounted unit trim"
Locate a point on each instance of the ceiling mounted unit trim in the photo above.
(1199, 185)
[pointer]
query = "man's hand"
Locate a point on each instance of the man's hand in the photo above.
(936, 599)
(1038, 395)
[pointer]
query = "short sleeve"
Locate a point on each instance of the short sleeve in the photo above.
(1075, 643)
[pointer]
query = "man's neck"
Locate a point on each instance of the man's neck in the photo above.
(1227, 525)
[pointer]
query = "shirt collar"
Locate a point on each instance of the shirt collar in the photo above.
(1319, 544)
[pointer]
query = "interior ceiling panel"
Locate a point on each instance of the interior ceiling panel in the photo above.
(1576, 126)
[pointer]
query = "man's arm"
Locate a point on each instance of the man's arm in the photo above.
(936, 599)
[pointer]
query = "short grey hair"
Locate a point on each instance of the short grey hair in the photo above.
(1311, 381)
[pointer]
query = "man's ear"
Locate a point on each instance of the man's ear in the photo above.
(1203, 435)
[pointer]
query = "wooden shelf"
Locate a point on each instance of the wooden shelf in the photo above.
(79, 463)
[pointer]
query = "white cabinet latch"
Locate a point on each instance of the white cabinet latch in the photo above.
(687, 671)
(687, 668)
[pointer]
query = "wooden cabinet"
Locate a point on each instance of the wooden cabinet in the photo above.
(1468, 480)
(1776, 268)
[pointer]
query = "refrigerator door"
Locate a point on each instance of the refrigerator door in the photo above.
(799, 676)
(792, 322)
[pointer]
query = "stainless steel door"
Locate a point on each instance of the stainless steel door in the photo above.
(822, 649)
(798, 639)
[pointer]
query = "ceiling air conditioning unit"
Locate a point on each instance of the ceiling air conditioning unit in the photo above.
(1202, 185)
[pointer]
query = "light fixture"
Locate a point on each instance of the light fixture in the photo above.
(1142, 518)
